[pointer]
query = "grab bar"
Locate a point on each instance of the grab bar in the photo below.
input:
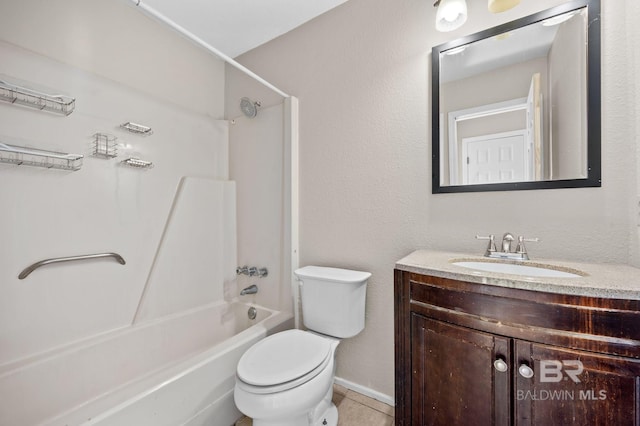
(24, 274)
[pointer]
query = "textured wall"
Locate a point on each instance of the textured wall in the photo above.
(362, 75)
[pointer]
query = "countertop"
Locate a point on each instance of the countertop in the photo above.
(604, 280)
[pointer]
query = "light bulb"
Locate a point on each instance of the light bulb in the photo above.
(451, 14)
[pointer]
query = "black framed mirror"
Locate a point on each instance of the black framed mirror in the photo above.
(517, 106)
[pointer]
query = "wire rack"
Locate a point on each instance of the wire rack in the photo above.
(18, 95)
(138, 129)
(104, 145)
(137, 163)
(19, 155)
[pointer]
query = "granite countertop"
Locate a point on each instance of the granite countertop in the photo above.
(611, 281)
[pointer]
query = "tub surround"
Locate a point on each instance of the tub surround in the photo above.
(98, 342)
(198, 245)
(600, 280)
(105, 207)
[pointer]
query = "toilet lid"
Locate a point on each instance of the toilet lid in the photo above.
(332, 274)
(283, 357)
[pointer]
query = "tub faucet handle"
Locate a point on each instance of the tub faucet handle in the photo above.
(252, 271)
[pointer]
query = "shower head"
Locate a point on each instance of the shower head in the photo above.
(248, 107)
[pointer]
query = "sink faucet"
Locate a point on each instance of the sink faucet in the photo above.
(520, 252)
(252, 289)
(507, 239)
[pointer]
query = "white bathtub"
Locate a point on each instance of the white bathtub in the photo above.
(179, 370)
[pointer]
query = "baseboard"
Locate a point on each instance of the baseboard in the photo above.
(379, 396)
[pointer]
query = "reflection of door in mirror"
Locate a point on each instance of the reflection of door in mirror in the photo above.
(490, 155)
(485, 122)
(496, 158)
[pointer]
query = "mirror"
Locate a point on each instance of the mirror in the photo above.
(518, 106)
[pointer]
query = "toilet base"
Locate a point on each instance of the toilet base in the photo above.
(328, 418)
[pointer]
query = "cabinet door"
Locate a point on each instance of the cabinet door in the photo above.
(574, 387)
(454, 380)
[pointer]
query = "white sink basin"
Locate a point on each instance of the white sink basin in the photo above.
(519, 269)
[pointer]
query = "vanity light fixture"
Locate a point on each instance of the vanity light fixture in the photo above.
(451, 14)
(497, 6)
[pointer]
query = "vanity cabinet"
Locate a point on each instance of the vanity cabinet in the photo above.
(479, 354)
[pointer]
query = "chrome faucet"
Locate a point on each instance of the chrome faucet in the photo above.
(520, 252)
(507, 239)
(252, 289)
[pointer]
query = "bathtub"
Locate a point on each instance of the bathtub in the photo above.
(178, 370)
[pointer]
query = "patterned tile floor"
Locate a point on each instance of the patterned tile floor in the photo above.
(354, 409)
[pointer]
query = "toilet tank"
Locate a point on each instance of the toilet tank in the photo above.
(333, 300)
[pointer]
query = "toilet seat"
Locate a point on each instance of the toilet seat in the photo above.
(283, 361)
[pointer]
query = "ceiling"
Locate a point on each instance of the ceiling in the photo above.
(520, 45)
(237, 26)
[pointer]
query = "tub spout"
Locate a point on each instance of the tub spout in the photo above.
(252, 289)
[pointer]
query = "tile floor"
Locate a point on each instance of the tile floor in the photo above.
(354, 409)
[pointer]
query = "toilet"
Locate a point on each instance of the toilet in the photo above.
(286, 379)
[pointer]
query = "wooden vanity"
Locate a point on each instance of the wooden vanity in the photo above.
(491, 349)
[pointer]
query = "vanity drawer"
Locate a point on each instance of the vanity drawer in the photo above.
(587, 323)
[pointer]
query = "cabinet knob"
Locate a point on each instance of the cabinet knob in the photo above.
(500, 365)
(525, 371)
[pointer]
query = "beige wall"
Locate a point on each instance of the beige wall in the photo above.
(362, 75)
(630, 87)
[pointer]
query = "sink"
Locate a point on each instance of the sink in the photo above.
(531, 270)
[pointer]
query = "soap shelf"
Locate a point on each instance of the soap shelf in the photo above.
(14, 94)
(104, 145)
(40, 158)
(138, 129)
(137, 163)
